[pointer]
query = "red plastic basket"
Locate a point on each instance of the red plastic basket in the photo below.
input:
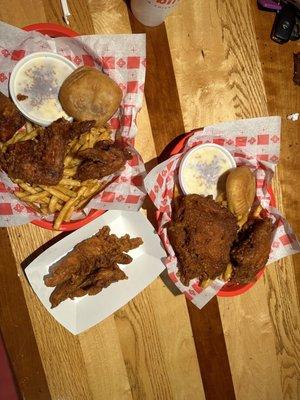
(227, 290)
(55, 30)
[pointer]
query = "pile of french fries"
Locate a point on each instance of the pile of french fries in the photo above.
(70, 195)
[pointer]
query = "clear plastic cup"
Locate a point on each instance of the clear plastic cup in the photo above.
(152, 12)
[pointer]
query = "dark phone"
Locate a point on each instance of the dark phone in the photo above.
(285, 27)
(287, 22)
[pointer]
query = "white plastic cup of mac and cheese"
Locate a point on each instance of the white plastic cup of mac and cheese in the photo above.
(34, 86)
(152, 12)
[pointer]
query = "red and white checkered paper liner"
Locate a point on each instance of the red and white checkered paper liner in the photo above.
(122, 57)
(253, 142)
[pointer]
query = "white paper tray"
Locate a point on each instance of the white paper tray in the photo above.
(82, 313)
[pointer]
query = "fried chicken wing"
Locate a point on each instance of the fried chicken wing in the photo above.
(41, 161)
(104, 159)
(251, 251)
(201, 233)
(91, 266)
(11, 120)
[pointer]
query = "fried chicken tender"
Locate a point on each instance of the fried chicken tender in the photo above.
(91, 266)
(201, 233)
(104, 159)
(11, 120)
(41, 161)
(101, 279)
(251, 251)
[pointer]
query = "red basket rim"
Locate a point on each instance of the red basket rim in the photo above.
(227, 290)
(70, 226)
(55, 30)
(51, 29)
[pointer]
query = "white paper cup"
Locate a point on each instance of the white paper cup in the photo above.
(208, 177)
(152, 12)
(39, 76)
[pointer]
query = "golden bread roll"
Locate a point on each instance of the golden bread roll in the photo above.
(240, 192)
(88, 94)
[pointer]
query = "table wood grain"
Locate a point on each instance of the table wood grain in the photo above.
(210, 62)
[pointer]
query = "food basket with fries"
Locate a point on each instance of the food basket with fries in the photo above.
(254, 143)
(121, 57)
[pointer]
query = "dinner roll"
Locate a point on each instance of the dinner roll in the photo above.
(89, 94)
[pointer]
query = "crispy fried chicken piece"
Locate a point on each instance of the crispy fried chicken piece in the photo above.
(103, 159)
(85, 256)
(11, 120)
(251, 250)
(93, 285)
(101, 279)
(90, 266)
(41, 161)
(97, 281)
(201, 233)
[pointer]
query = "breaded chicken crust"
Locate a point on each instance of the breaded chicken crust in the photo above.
(251, 251)
(201, 233)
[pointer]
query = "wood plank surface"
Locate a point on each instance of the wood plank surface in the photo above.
(161, 351)
(223, 81)
(166, 124)
(225, 67)
(283, 98)
(16, 328)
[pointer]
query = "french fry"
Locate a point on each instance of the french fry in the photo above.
(69, 214)
(56, 193)
(67, 160)
(44, 209)
(65, 210)
(20, 194)
(66, 191)
(53, 204)
(35, 197)
(18, 136)
(74, 162)
(70, 182)
(69, 172)
(43, 201)
(86, 142)
(30, 135)
(29, 127)
(27, 188)
(88, 196)
(101, 134)
(76, 147)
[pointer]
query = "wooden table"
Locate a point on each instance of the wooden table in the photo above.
(211, 61)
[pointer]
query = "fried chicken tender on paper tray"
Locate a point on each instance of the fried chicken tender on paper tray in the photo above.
(251, 251)
(99, 280)
(91, 266)
(201, 233)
